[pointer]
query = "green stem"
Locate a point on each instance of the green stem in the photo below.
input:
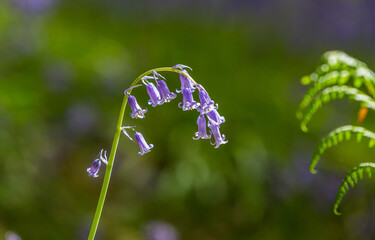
(116, 139)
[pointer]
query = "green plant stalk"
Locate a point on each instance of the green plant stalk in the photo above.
(116, 139)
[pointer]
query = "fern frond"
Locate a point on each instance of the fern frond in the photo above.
(352, 178)
(335, 92)
(361, 75)
(336, 60)
(366, 76)
(333, 61)
(344, 133)
(331, 78)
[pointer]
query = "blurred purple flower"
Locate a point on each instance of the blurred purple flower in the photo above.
(81, 118)
(159, 230)
(34, 6)
(12, 236)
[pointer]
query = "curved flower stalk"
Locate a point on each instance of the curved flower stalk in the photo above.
(328, 83)
(159, 94)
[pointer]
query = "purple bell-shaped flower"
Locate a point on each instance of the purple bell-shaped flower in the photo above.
(137, 111)
(206, 104)
(145, 148)
(219, 138)
(165, 94)
(215, 117)
(188, 102)
(94, 169)
(152, 91)
(202, 129)
(185, 81)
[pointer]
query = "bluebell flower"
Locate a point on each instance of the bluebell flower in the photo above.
(185, 81)
(188, 102)
(95, 167)
(145, 148)
(202, 129)
(206, 104)
(215, 117)
(163, 89)
(152, 91)
(219, 138)
(137, 111)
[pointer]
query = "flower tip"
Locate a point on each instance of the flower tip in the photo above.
(181, 67)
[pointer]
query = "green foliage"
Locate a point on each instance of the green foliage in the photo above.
(344, 133)
(332, 93)
(359, 76)
(329, 82)
(352, 178)
(333, 61)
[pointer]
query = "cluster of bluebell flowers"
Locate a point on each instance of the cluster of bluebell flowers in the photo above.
(159, 93)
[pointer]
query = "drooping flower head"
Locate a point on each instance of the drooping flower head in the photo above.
(159, 93)
(152, 91)
(185, 81)
(188, 102)
(219, 138)
(202, 129)
(165, 94)
(215, 117)
(95, 167)
(206, 104)
(137, 111)
(145, 148)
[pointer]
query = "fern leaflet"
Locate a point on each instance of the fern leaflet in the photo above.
(352, 178)
(338, 60)
(333, 61)
(344, 133)
(360, 76)
(335, 92)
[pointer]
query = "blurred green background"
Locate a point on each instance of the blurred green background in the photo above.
(64, 66)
